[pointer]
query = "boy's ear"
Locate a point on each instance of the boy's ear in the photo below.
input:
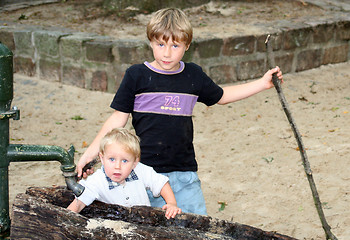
(100, 155)
(137, 160)
(188, 46)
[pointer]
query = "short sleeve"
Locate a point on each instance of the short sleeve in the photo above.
(210, 93)
(91, 190)
(124, 98)
(152, 180)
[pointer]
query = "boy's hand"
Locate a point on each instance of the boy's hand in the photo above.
(84, 169)
(171, 210)
(267, 78)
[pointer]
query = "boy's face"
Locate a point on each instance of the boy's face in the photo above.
(117, 162)
(167, 55)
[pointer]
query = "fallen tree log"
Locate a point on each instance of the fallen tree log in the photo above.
(41, 213)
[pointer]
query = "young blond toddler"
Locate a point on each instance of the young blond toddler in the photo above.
(122, 179)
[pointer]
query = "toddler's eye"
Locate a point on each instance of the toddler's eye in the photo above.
(124, 160)
(112, 159)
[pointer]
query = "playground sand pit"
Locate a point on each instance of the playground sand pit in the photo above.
(249, 163)
(247, 154)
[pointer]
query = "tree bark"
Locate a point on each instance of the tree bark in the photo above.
(41, 213)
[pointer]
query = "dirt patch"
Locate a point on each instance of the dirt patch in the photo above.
(217, 18)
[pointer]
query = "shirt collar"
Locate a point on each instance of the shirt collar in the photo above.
(181, 68)
(111, 184)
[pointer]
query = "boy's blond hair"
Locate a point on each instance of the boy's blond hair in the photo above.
(170, 22)
(126, 138)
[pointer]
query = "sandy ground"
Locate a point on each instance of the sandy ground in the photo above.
(246, 151)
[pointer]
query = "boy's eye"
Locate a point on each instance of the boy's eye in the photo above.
(175, 46)
(124, 161)
(161, 45)
(112, 159)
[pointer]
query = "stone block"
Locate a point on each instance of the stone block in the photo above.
(192, 55)
(99, 51)
(47, 42)
(343, 30)
(336, 54)
(238, 45)
(276, 42)
(209, 48)
(132, 51)
(223, 74)
(308, 59)
(24, 44)
(24, 65)
(323, 33)
(50, 69)
(99, 81)
(296, 38)
(74, 76)
(115, 76)
(285, 62)
(251, 69)
(188, 57)
(72, 46)
(6, 38)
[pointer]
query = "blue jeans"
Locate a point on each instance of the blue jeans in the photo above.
(188, 193)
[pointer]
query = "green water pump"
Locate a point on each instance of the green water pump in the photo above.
(20, 152)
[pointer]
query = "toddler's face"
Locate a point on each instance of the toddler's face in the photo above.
(117, 162)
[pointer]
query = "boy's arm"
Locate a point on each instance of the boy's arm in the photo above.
(76, 206)
(241, 91)
(171, 205)
(116, 120)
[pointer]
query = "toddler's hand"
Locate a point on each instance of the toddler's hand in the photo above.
(171, 210)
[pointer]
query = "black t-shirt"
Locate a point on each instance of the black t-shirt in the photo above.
(161, 105)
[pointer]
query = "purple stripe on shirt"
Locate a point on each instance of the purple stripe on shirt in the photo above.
(165, 103)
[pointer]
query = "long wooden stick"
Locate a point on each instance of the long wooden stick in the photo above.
(277, 84)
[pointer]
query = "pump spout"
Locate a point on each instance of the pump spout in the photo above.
(24, 153)
(71, 182)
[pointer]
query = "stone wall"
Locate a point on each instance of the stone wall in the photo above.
(99, 62)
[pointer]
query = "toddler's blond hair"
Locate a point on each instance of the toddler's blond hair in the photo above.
(170, 22)
(126, 138)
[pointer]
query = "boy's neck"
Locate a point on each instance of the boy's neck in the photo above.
(180, 69)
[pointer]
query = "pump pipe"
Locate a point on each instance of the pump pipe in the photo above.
(25, 153)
